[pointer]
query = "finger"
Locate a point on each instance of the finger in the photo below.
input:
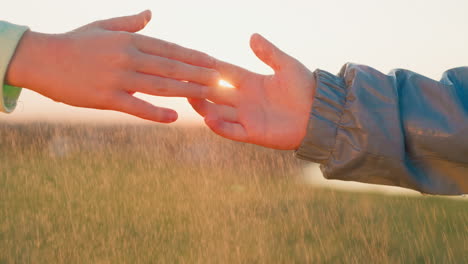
(142, 109)
(204, 108)
(173, 69)
(132, 23)
(233, 74)
(173, 51)
(160, 86)
(223, 95)
(268, 53)
(233, 131)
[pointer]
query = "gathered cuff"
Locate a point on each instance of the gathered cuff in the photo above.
(324, 120)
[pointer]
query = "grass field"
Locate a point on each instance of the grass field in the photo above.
(153, 194)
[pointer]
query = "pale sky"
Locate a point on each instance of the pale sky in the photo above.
(427, 37)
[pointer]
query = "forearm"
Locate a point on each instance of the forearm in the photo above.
(399, 129)
(102, 64)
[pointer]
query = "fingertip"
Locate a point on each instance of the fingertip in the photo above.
(160, 115)
(267, 52)
(171, 116)
(255, 37)
(191, 100)
(194, 102)
(256, 40)
(253, 40)
(146, 13)
(147, 16)
(257, 44)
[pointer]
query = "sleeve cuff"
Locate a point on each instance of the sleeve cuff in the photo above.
(10, 35)
(324, 120)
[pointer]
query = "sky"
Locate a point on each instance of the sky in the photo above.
(427, 37)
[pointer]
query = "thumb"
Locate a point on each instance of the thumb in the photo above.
(268, 53)
(132, 23)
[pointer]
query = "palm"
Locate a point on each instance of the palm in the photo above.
(273, 108)
(267, 110)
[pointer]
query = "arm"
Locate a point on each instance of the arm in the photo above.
(101, 65)
(399, 129)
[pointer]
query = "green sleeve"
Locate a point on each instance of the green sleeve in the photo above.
(10, 36)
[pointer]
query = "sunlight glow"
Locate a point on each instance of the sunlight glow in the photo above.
(224, 84)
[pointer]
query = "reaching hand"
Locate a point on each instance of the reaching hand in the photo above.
(268, 110)
(102, 64)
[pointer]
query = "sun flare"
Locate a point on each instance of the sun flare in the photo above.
(225, 84)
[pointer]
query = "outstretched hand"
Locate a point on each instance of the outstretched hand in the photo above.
(101, 65)
(267, 110)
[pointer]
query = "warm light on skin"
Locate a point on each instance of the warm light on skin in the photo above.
(327, 47)
(224, 84)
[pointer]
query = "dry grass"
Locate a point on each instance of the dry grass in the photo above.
(151, 194)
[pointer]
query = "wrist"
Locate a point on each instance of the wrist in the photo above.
(304, 115)
(34, 55)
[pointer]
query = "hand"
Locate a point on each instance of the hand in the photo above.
(267, 110)
(102, 64)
